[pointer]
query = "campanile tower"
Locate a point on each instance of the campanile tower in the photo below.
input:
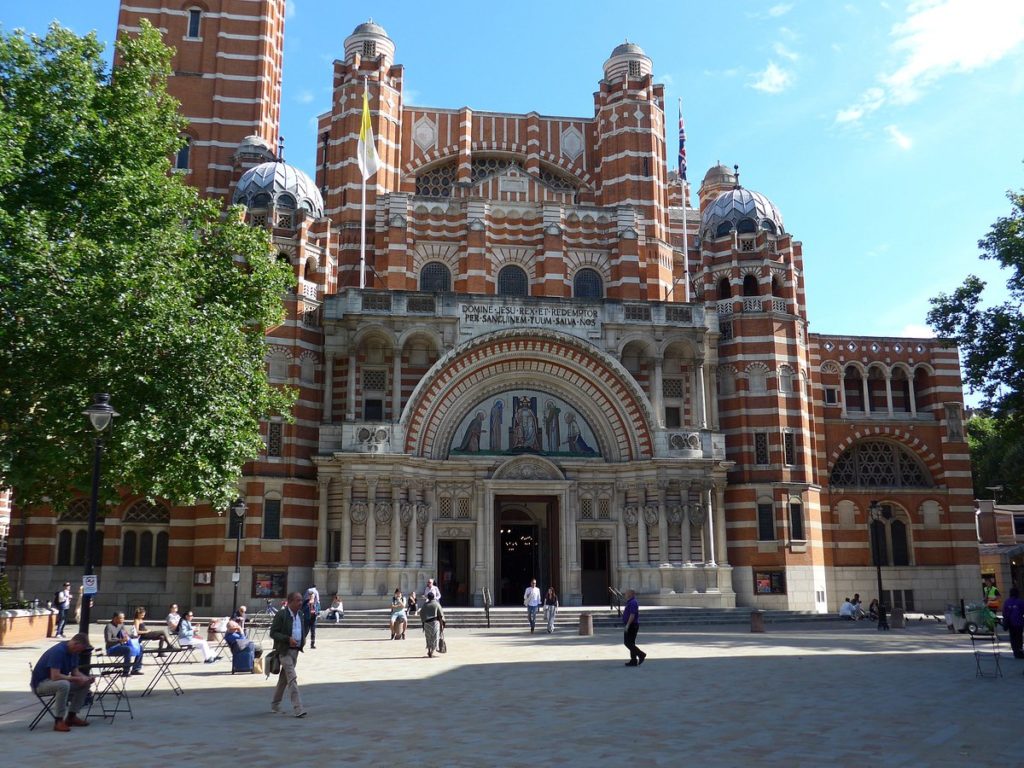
(227, 76)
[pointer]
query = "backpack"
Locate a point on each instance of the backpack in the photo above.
(56, 599)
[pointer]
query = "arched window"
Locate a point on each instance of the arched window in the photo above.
(757, 379)
(776, 286)
(195, 16)
(723, 229)
(890, 537)
(286, 201)
(853, 389)
(435, 278)
(309, 272)
(724, 288)
(785, 379)
(749, 285)
(587, 284)
(768, 226)
(181, 160)
(746, 226)
(80, 538)
(146, 548)
(512, 281)
(879, 464)
(162, 541)
(64, 548)
(129, 552)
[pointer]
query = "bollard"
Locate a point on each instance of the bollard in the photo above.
(757, 621)
(586, 624)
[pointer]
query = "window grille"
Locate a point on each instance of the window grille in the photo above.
(146, 512)
(284, 220)
(878, 464)
(761, 448)
(557, 181)
(672, 388)
(747, 244)
(465, 512)
(435, 277)
(789, 442)
(422, 304)
(375, 380)
(587, 284)
(679, 314)
(604, 509)
(490, 166)
(437, 182)
(725, 329)
(587, 509)
(376, 302)
(640, 312)
(444, 508)
(512, 281)
(274, 438)
(634, 69)
(258, 219)
(369, 49)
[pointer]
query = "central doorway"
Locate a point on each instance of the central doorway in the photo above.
(526, 544)
(453, 571)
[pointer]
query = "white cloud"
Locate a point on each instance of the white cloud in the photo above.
(916, 331)
(940, 38)
(898, 137)
(304, 97)
(667, 80)
(780, 10)
(784, 52)
(774, 79)
(289, 9)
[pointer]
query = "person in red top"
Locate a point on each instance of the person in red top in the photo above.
(631, 620)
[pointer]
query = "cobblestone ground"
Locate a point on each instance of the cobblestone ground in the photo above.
(799, 695)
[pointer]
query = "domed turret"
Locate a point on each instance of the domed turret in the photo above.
(742, 210)
(254, 149)
(370, 41)
(627, 59)
(280, 185)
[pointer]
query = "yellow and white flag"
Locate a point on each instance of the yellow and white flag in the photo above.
(367, 149)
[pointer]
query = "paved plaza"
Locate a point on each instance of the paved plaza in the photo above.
(832, 694)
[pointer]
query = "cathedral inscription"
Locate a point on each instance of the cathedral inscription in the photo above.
(526, 316)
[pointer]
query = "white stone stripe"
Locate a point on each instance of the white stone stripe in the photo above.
(206, 14)
(220, 121)
(236, 99)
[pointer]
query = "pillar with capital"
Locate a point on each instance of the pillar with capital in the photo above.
(323, 544)
(371, 521)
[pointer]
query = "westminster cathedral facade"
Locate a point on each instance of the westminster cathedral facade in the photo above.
(567, 363)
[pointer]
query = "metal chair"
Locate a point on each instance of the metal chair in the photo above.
(986, 651)
(46, 699)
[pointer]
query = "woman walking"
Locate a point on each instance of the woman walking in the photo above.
(433, 622)
(398, 619)
(550, 609)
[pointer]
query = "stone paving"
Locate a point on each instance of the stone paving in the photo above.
(799, 695)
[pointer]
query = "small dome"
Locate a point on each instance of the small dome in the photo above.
(627, 59)
(742, 210)
(720, 174)
(254, 149)
(370, 28)
(281, 185)
(627, 47)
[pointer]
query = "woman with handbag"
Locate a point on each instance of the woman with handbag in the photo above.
(433, 622)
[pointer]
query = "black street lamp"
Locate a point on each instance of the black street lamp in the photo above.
(238, 509)
(101, 414)
(879, 514)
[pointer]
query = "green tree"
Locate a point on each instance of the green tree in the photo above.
(997, 459)
(115, 276)
(991, 339)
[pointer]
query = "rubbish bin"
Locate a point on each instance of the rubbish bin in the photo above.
(586, 624)
(757, 621)
(896, 619)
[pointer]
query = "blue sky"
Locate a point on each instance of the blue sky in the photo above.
(883, 131)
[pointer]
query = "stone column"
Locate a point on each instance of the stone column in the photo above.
(396, 526)
(641, 536)
(710, 521)
(842, 394)
(620, 499)
(699, 397)
(323, 545)
(328, 387)
(428, 532)
(478, 515)
(684, 526)
(888, 392)
(396, 386)
(713, 399)
(911, 395)
(410, 535)
(722, 548)
(371, 521)
(657, 394)
(350, 395)
(866, 389)
(662, 528)
(346, 524)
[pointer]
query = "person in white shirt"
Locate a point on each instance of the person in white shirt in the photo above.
(63, 606)
(846, 610)
(432, 589)
(531, 599)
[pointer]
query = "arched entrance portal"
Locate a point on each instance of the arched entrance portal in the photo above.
(526, 546)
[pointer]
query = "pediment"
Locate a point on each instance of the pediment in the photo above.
(528, 468)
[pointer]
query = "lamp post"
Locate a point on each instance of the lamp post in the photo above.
(101, 414)
(878, 514)
(238, 509)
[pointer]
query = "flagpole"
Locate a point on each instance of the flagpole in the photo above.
(686, 246)
(362, 223)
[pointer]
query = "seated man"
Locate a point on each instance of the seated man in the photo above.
(57, 672)
(243, 650)
(337, 609)
(846, 610)
(117, 643)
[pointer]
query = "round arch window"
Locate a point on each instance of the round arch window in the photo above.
(512, 281)
(435, 277)
(587, 284)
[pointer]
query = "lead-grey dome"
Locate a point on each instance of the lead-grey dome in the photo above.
(370, 28)
(370, 42)
(628, 47)
(720, 174)
(280, 185)
(742, 210)
(627, 60)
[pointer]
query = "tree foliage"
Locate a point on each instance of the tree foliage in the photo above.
(115, 276)
(997, 459)
(991, 338)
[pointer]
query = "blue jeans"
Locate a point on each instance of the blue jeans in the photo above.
(62, 619)
(126, 650)
(531, 614)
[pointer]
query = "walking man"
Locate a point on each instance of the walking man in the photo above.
(631, 619)
(531, 599)
(431, 589)
(63, 606)
(288, 631)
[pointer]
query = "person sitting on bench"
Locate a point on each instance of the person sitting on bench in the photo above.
(187, 638)
(117, 643)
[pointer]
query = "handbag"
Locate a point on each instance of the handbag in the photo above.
(272, 664)
(442, 646)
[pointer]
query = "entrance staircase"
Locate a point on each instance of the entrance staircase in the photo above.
(569, 618)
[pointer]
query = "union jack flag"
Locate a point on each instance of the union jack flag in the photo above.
(682, 143)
